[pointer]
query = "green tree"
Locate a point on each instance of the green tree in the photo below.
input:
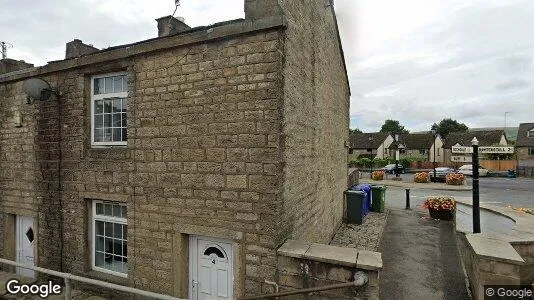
(446, 126)
(393, 126)
(351, 131)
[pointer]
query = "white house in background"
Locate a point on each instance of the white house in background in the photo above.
(372, 145)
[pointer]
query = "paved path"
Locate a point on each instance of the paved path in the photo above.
(420, 258)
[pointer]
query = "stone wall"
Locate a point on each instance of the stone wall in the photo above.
(309, 265)
(203, 157)
(488, 261)
(523, 158)
(29, 174)
(234, 132)
(315, 123)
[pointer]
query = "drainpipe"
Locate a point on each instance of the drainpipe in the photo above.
(360, 279)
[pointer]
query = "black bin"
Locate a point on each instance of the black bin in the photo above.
(355, 206)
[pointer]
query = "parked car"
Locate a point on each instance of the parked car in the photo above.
(468, 170)
(391, 169)
(441, 174)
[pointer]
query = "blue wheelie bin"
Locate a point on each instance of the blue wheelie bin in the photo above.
(367, 189)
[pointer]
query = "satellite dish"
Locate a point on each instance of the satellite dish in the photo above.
(37, 88)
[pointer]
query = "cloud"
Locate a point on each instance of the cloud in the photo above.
(39, 30)
(513, 84)
(472, 63)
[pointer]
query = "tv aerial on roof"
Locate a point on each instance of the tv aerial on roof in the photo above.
(37, 89)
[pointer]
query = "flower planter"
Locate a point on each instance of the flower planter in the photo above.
(441, 207)
(445, 215)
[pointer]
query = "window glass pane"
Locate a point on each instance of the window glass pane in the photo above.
(123, 208)
(99, 208)
(117, 134)
(124, 136)
(123, 120)
(125, 248)
(99, 243)
(117, 230)
(117, 84)
(99, 259)
(108, 229)
(107, 106)
(99, 135)
(108, 243)
(109, 85)
(117, 247)
(99, 226)
(125, 232)
(124, 104)
(117, 105)
(107, 120)
(116, 265)
(99, 121)
(116, 210)
(99, 107)
(99, 86)
(107, 135)
(117, 119)
(107, 209)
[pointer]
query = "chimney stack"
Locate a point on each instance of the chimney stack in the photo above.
(8, 65)
(77, 48)
(261, 9)
(170, 25)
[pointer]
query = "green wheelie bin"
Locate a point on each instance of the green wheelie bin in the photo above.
(378, 203)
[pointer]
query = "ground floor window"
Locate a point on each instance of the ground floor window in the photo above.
(531, 151)
(110, 238)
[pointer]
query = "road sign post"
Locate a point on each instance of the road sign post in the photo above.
(476, 194)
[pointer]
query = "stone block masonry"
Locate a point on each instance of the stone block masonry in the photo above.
(235, 132)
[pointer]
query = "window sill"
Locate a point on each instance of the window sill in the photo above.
(93, 274)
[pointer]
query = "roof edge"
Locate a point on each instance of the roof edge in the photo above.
(196, 35)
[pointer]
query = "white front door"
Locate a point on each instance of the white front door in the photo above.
(25, 240)
(211, 268)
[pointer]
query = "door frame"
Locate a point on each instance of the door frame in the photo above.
(193, 261)
(19, 235)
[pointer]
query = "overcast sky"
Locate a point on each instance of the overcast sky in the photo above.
(416, 61)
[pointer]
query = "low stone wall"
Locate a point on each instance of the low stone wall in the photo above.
(491, 258)
(305, 265)
(488, 261)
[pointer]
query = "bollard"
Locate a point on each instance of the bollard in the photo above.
(407, 198)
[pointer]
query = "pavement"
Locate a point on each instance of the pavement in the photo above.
(420, 258)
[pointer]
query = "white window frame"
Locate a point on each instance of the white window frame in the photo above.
(94, 218)
(530, 133)
(102, 97)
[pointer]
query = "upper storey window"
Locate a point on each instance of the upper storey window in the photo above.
(108, 109)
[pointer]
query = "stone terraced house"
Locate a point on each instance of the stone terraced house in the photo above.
(156, 161)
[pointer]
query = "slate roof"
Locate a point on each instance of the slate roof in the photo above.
(417, 140)
(359, 140)
(484, 137)
(522, 139)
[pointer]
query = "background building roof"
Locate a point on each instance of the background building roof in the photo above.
(371, 140)
(522, 139)
(484, 137)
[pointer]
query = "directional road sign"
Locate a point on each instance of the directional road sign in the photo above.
(466, 159)
(483, 150)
